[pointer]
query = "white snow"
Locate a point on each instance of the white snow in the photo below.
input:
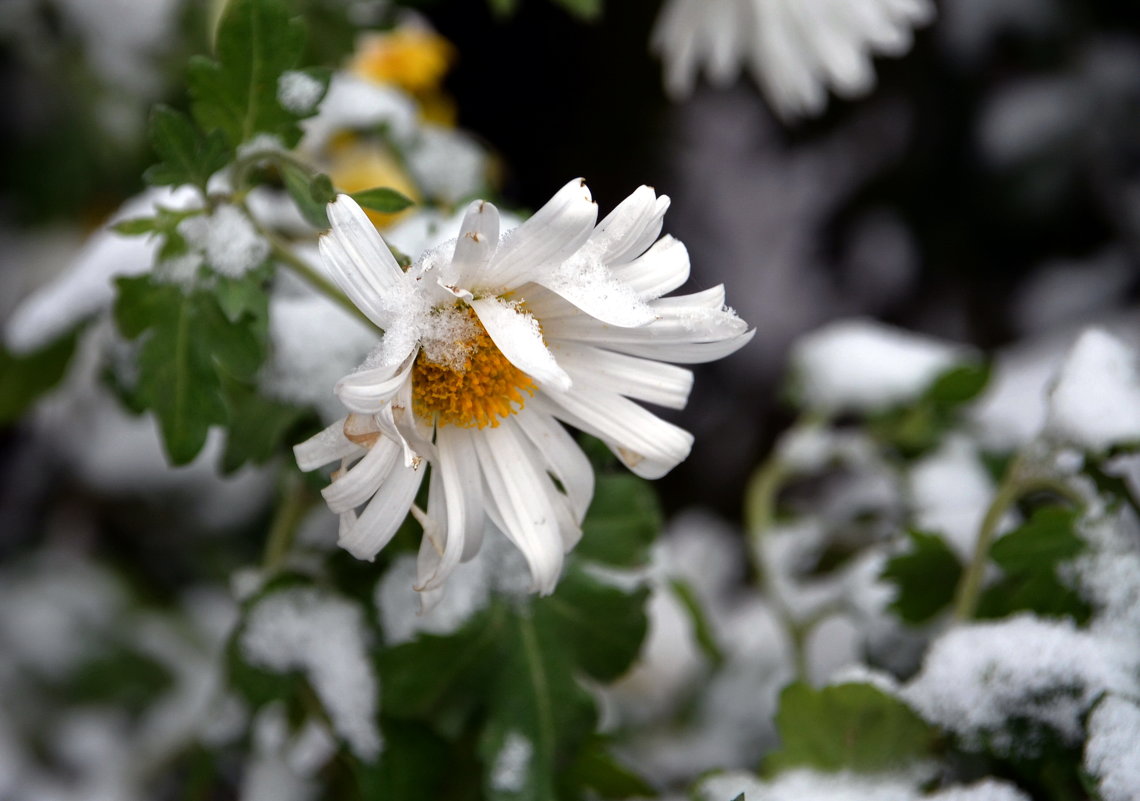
(226, 239)
(447, 164)
(1095, 403)
(87, 287)
(314, 343)
(353, 103)
(861, 365)
(976, 678)
(985, 790)
(950, 491)
(298, 92)
(802, 784)
(1112, 751)
(324, 635)
(511, 768)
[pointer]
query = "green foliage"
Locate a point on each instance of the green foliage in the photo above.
(120, 676)
(600, 772)
(622, 522)
(917, 427)
(25, 377)
(257, 425)
(926, 577)
(187, 155)
(959, 384)
(189, 346)
(383, 199)
(702, 630)
(583, 9)
(237, 93)
(311, 193)
(1029, 557)
(854, 727)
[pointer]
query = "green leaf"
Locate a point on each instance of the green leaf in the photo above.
(239, 297)
(188, 341)
(237, 94)
(1029, 557)
(408, 768)
(187, 155)
(701, 628)
(503, 8)
(959, 384)
(136, 226)
(600, 772)
(622, 521)
(257, 426)
(926, 577)
(603, 651)
(538, 714)
(308, 193)
(383, 199)
(25, 377)
(583, 9)
(854, 727)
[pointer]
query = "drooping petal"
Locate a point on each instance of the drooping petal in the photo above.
(561, 456)
(374, 527)
(461, 484)
(326, 447)
(646, 444)
(549, 237)
(478, 239)
(370, 391)
(360, 262)
(517, 498)
(593, 368)
(517, 335)
(362, 480)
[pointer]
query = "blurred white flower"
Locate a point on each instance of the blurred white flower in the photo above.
(795, 49)
(490, 341)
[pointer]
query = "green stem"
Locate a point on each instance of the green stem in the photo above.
(1014, 485)
(295, 501)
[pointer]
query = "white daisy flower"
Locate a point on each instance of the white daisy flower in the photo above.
(795, 49)
(491, 340)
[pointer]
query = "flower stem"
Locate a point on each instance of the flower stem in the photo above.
(1014, 485)
(295, 501)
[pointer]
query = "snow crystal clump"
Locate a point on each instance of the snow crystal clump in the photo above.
(1096, 401)
(861, 365)
(323, 635)
(985, 790)
(1112, 752)
(227, 240)
(796, 785)
(977, 678)
(299, 92)
(510, 770)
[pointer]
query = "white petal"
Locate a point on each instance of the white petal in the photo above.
(362, 480)
(372, 530)
(462, 484)
(517, 335)
(359, 261)
(561, 456)
(371, 390)
(661, 269)
(519, 501)
(478, 239)
(641, 379)
(330, 445)
(690, 352)
(631, 227)
(646, 444)
(549, 237)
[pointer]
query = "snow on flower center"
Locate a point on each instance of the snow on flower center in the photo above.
(461, 378)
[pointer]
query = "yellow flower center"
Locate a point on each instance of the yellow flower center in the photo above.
(475, 390)
(413, 59)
